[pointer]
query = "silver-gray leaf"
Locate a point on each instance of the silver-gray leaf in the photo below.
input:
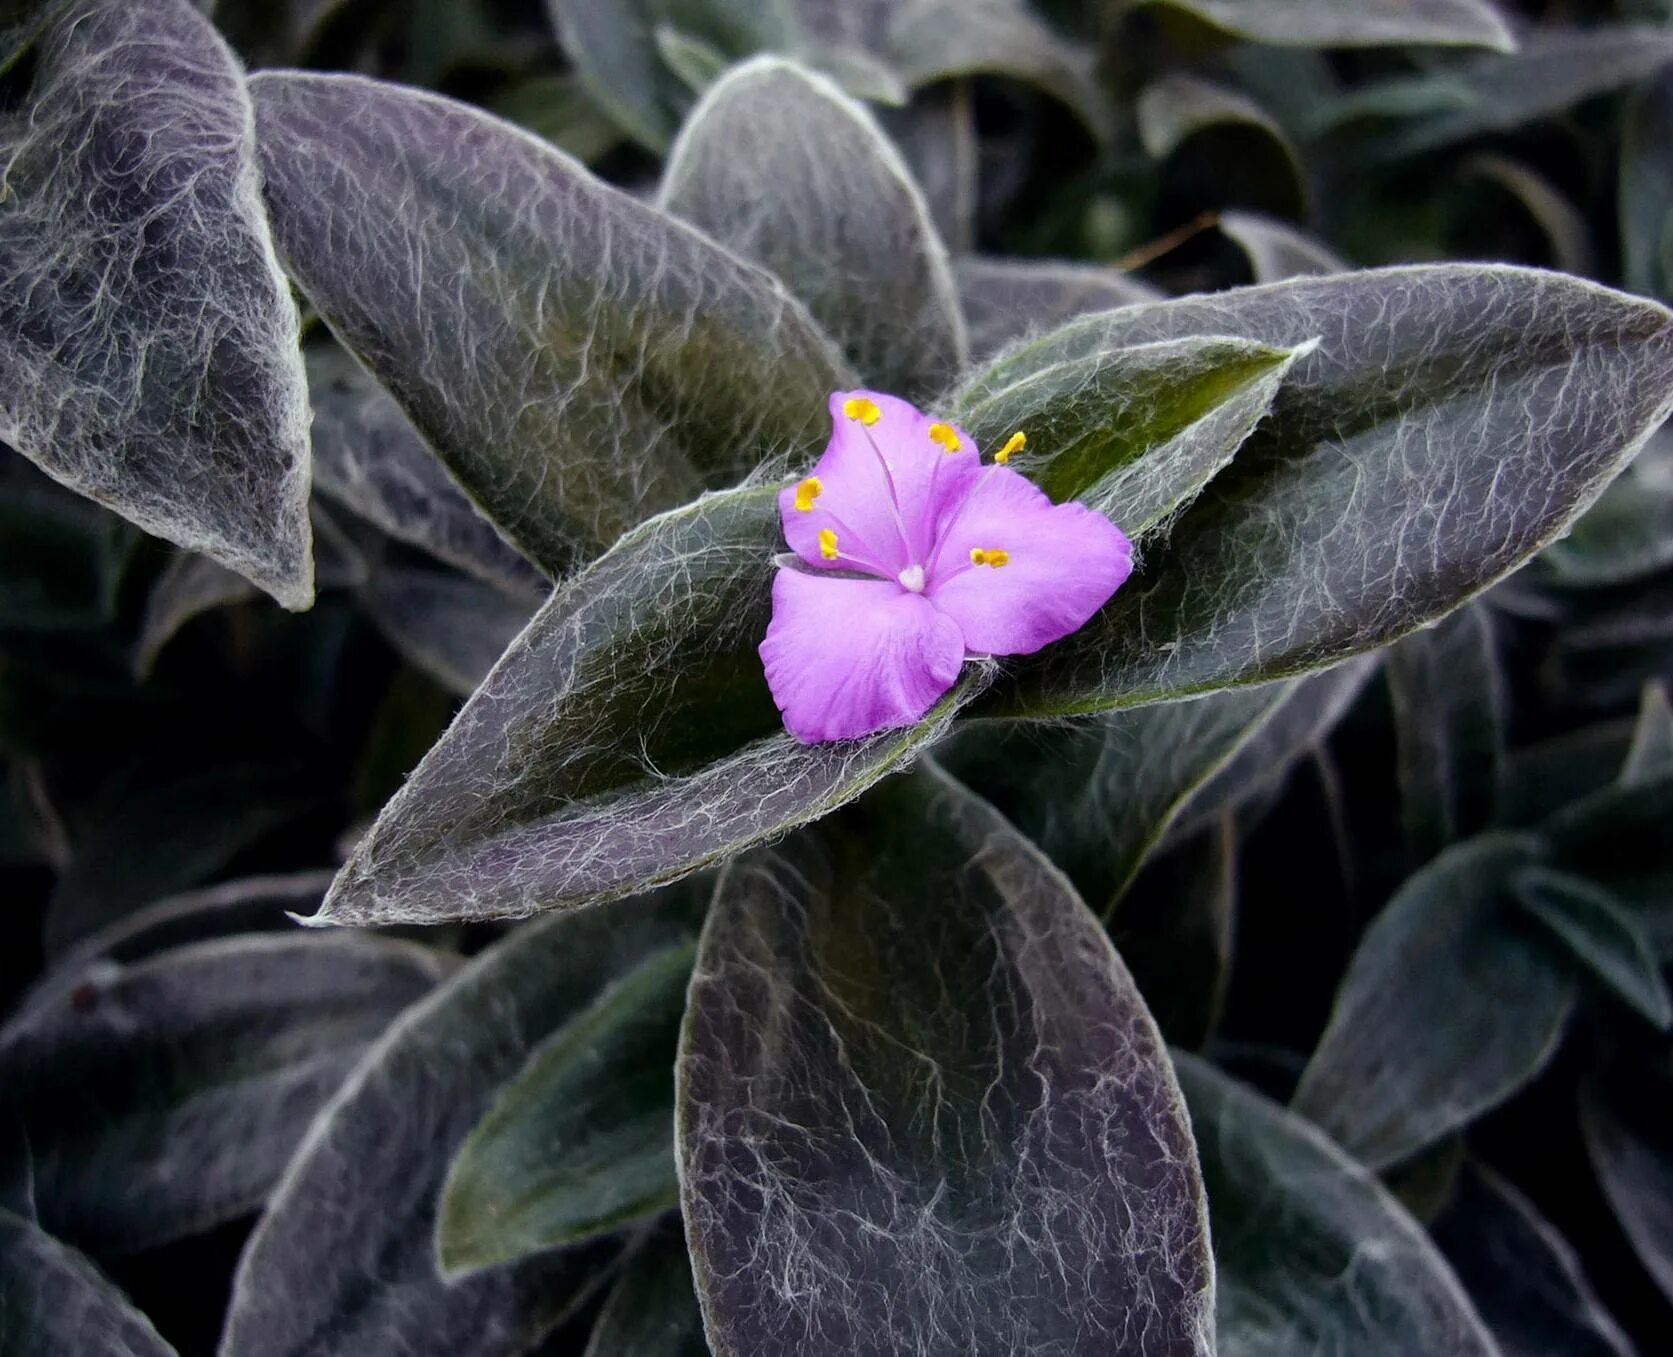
(54, 1301)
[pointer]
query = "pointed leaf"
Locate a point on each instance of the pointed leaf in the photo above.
(627, 737)
(1315, 1256)
(1617, 837)
(785, 169)
(164, 1097)
(1647, 189)
(147, 338)
(1007, 299)
(653, 1311)
(344, 1260)
(1249, 151)
(1651, 753)
(1276, 249)
(449, 626)
(1523, 1275)
(1364, 23)
(921, 1106)
(1476, 410)
(1603, 936)
(613, 52)
(579, 360)
(1387, 1079)
(1623, 1115)
(1449, 727)
(54, 1301)
(581, 1141)
(368, 456)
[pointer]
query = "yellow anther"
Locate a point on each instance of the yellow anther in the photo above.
(944, 435)
(1015, 443)
(862, 408)
(827, 544)
(808, 491)
(996, 558)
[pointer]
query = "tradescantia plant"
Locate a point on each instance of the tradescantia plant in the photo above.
(876, 796)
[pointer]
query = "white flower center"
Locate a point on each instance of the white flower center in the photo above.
(912, 579)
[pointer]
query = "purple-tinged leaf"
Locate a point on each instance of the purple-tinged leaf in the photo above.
(147, 338)
(922, 1107)
(579, 360)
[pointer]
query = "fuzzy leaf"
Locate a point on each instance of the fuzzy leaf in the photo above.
(1247, 147)
(1603, 936)
(1449, 732)
(1567, 234)
(922, 1107)
(1314, 1254)
(147, 338)
(448, 626)
(1617, 838)
(53, 1301)
(368, 456)
(1647, 189)
(163, 1097)
(786, 170)
(613, 51)
(1452, 421)
(1364, 23)
(578, 359)
(344, 1259)
(1628, 534)
(1388, 1079)
(652, 1312)
(64, 559)
(580, 1142)
(1623, 1115)
(1523, 1275)
(936, 132)
(1651, 752)
(627, 737)
(1007, 299)
(1276, 249)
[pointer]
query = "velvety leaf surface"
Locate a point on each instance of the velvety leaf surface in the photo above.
(1628, 534)
(1623, 1113)
(1449, 731)
(1647, 189)
(652, 1312)
(580, 1142)
(1452, 1002)
(614, 54)
(53, 1301)
(936, 132)
(1364, 23)
(1006, 299)
(1314, 1254)
(344, 1260)
(1178, 108)
(628, 737)
(922, 1108)
(1603, 936)
(1565, 229)
(1452, 420)
(1276, 249)
(452, 627)
(577, 359)
(147, 338)
(165, 1096)
(1618, 838)
(1522, 1274)
(790, 173)
(368, 456)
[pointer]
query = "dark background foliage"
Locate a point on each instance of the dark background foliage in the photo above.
(1425, 900)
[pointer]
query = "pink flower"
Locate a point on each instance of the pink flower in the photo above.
(913, 555)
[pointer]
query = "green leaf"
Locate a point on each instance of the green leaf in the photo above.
(1651, 753)
(558, 108)
(1388, 1078)
(1277, 250)
(1007, 299)
(576, 358)
(1623, 1116)
(344, 1260)
(652, 1311)
(933, 40)
(612, 50)
(1646, 192)
(55, 1301)
(783, 168)
(910, 1058)
(1522, 1274)
(1451, 421)
(1449, 728)
(147, 339)
(1314, 1253)
(1602, 935)
(1364, 23)
(1617, 838)
(697, 63)
(448, 626)
(165, 1096)
(628, 738)
(369, 457)
(581, 1141)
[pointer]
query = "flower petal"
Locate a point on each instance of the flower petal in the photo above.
(1061, 563)
(846, 657)
(932, 464)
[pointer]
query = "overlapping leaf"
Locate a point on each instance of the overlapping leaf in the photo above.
(1005, 299)
(921, 1106)
(450, 626)
(579, 360)
(147, 339)
(1623, 1114)
(54, 1301)
(1365, 23)
(1276, 249)
(652, 1312)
